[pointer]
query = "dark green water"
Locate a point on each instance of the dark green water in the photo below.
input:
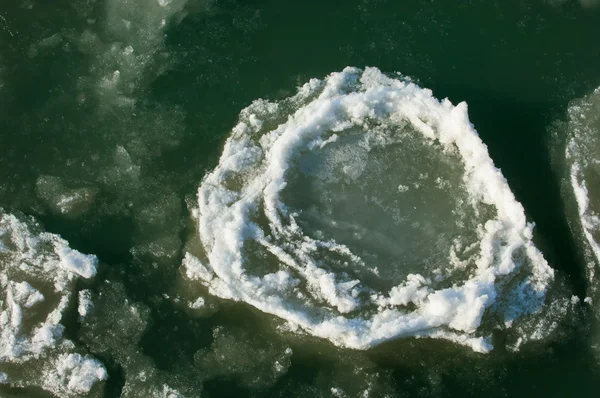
(516, 63)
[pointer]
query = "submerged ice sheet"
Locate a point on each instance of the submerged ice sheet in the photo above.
(38, 271)
(363, 209)
(114, 327)
(582, 182)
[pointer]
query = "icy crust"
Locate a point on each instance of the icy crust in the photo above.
(583, 165)
(244, 222)
(37, 275)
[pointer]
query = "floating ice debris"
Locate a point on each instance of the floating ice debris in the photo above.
(198, 303)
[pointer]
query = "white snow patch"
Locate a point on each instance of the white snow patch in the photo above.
(198, 303)
(74, 374)
(31, 334)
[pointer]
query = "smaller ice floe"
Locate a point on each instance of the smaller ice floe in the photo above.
(38, 271)
(73, 374)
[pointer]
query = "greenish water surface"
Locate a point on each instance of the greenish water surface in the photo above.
(517, 64)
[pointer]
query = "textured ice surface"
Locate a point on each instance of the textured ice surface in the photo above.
(257, 362)
(84, 302)
(138, 26)
(363, 209)
(62, 200)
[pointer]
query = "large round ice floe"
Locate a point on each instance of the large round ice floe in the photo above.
(363, 209)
